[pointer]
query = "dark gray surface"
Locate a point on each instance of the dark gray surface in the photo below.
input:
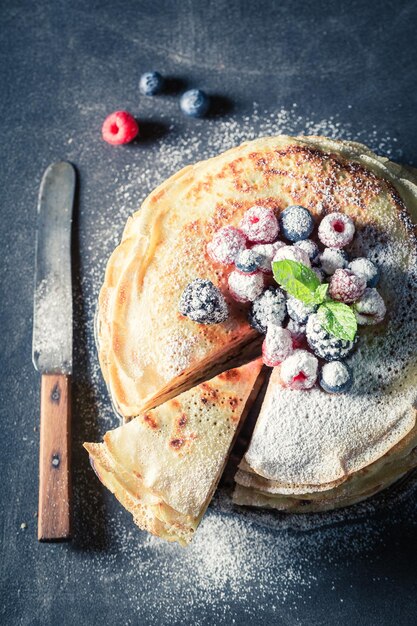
(350, 69)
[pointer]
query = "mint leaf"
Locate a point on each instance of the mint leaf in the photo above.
(297, 279)
(338, 319)
(321, 293)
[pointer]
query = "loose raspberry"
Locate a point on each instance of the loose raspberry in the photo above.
(260, 224)
(336, 230)
(292, 253)
(119, 127)
(332, 260)
(267, 253)
(370, 308)
(277, 345)
(245, 287)
(299, 370)
(226, 245)
(347, 287)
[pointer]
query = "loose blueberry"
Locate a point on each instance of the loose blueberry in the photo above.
(151, 83)
(194, 103)
(296, 223)
(336, 230)
(336, 377)
(248, 261)
(332, 260)
(310, 247)
(204, 303)
(365, 268)
(298, 311)
(325, 345)
(268, 308)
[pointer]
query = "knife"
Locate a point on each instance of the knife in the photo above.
(52, 348)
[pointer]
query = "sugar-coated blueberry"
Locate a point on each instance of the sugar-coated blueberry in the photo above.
(336, 377)
(365, 268)
(332, 260)
(151, 83)
(310, 247)
(248, 261)
(296, 223)
(194, 103)
(298, 311)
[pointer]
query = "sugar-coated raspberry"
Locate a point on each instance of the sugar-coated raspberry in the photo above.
(332, 260)
(298, 333)
(202, 302)
(296, 223)
(299, 370)
(299, 311)
(365, 268)
(310, 247)
(336, 377)
(345, 286)
(119, 127)
(277, 345)
(226, 245)
(370, 308)
(267, 253)
(245, 287)
(292, 253)
(325, 345)
(260, 224)
(336, 230)
(268, 308)
(248, 261)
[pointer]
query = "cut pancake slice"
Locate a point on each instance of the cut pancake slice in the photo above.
(164, 465)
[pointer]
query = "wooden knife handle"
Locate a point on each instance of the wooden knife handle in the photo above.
(54, 521)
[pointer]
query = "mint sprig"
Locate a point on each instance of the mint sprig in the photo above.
(301, 282)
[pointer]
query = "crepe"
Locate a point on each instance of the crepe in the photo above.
(164, 465)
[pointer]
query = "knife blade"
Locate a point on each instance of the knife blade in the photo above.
(52, 347)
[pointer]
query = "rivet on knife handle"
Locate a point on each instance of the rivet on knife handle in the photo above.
(54, 521)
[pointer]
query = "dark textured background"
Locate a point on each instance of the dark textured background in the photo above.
(66, 65)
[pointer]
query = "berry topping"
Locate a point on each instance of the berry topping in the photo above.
(336, 377)
(260, 224)
(310, 247)
(296, 223)
(298, 333)
(345, 286)
(226, 245)
(370, 308)
(151, 83)
(365, 268)
(293, 253)
(268, 308)
(277, 345)
(267, 253)
(202, 302)
(332, 260)
(245, 287)
(299, 370)
(194, 103)
(298, 311)
(119, 127)
(248, 261)
(336, 230)
(325, 345)
(319, 273)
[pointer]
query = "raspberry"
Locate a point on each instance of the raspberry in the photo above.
(226, 245)
(299, 370)
(260, 224)
(370, 308)
(248, 261)
(267, 253)
(268, 308)
(332, 260)
(298, 333)
(336, 230)
(310, 247)
(346, 287)
(298, 311)
(296, 223)
(119, 127)
(245, 287)
(365, 268)
(277, 345)
(202, 302)
(292, 253)
(325, 345)
(336, 377)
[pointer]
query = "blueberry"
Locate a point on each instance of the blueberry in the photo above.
(298, 311)
(248, 261)
(151, 83)
(202, 302)
(365, 268)
(336, 377)
(296, 223)
(194, 103)
(332, 259)
(310, 247)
